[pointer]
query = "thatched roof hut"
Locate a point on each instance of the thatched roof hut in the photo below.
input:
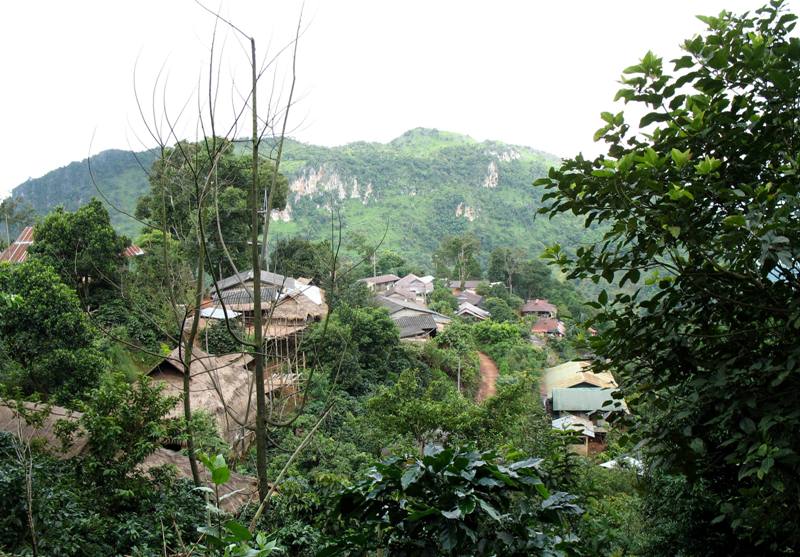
(245, 487)
(219, 385)
(12, 422)
(302, 305)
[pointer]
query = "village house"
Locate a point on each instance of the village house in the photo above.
(416, 327)
(472, 312)
(288, 306)
(405, 295)
(574, 374)
(547, 326)
(420, 286)
(381, 283)
(399, 309)
(221, 386)
(470, 298)
(539, 308)
(235, 493)
(576, 398)
(469, 286)
(246, 280)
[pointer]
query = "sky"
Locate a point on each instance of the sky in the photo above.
(523, 72)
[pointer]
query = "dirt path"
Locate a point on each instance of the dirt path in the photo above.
(488, 378)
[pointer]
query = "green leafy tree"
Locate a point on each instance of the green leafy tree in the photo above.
(178, 186)
(500, 310)
(219, 340)
(15, 213)
(124, 423)
(705, 205)
(298, 257)
(83, 247)
(410, 407)
(47, 339)
(457, 257)
(443, 296)
(357, 345)
(492, 332)
(451, 502)
(392, 262)
(504, 265)
(533, 279)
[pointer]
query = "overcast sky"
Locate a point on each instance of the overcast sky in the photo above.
(530, 73)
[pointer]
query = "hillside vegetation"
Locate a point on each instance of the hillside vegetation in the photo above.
(424, 184)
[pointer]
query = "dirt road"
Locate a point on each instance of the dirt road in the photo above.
(488, 378)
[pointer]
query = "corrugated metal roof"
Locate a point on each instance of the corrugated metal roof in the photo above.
(243, 296)
(467, 283)
(17, 252)
(465, 308)
(575, 423)
(539, 305)
(570, 374)
(549, 325)
(584, 400)
(415, 325)
(415, 284)
(132, 251)
(380, 279)
(471, 297)
(218, 313)
(268, 278)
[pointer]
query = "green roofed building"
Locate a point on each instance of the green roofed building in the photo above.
(585, 400)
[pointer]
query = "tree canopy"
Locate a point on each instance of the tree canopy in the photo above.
(82, 247)
(456, 257)
(703, 205)
(186, 179)
(46, 338)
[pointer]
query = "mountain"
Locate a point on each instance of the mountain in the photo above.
(118, 174)
(419, 187)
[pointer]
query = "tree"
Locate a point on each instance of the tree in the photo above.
(356, 345)
(705, 207)
(457, 257)
(392, 262)
(298, 257)
(504, 265)
(533, 279)
(500, 310)
(15, 213)
(453, 502)
(443, 296)
(125, 423)
(225, 176)
(421, 411)
(46, 338)
(219, 340)
(82, 246)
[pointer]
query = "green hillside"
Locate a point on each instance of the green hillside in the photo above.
(424, 185)
(118, 174)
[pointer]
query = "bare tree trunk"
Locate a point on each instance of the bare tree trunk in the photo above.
(261, 405)
(187, 358)
(265, 241)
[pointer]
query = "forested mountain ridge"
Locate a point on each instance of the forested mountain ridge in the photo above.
(118, 173)
(425, 184)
